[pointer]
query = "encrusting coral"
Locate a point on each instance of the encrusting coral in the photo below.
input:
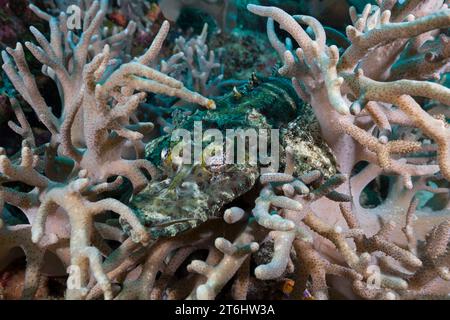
(107, 197)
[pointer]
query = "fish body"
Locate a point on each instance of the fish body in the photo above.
(191, 194)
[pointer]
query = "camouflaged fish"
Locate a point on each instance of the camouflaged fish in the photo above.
(190, 194)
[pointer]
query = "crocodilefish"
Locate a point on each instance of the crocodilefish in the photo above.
(190, 194)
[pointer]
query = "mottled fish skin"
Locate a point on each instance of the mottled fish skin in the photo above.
(192, 194)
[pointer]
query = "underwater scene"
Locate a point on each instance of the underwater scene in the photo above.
(224, 150)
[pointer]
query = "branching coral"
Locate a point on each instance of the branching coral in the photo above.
(376, 101)
(218, 9)
(81, 213)
(335, 84)
(135, 11)
(358, 262)
(20, 236)
(69, 175)
(199, 61)
(94, 108)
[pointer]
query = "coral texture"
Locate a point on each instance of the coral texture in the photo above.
(104, 209)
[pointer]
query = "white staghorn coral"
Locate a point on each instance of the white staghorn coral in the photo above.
(198, 61)
(327, 79)
(374, 226)
(218, 9)
(357, 91)
(99, 98)
(87, 122)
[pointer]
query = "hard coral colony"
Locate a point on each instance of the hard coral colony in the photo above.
(100, 205)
